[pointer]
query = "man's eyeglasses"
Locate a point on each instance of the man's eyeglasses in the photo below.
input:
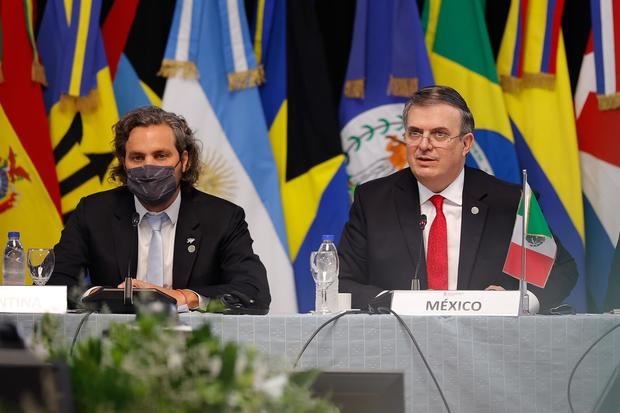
(436, 138)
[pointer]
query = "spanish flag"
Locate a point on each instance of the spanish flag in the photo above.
(79, 100)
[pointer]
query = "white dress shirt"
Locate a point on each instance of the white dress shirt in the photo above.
(453, 211)
(452, 207)
(145, 232)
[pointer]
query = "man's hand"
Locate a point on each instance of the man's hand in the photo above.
(187, 297)
(494, 288)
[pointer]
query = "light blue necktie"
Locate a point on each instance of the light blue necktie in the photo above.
(155, 262)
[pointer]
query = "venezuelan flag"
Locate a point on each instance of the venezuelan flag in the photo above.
(540, 107)
(303, 130)
(79, 100)
(461, 57)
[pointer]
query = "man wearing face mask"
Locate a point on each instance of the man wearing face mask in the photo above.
(190, 245)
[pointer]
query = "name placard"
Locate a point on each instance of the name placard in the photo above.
(467, 303)
(33, 299)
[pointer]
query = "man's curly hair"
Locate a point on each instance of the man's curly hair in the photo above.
(150, 116)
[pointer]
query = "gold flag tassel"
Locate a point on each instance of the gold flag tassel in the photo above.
(510, 84)
(38, 73)
(354, 88)
(402, 86)
(246, 79)
(608, 102)
(184, 68)
(84, 104)
(539, 80)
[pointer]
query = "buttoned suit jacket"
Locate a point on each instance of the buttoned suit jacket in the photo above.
(381, 245)
(99, 238)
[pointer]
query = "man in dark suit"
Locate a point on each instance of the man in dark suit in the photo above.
(181, 241)
(382, 246)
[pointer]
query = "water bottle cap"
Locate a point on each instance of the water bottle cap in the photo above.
(13, 234)
(328, 237)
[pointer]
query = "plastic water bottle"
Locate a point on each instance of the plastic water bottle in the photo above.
(328, 247)
(13, 261)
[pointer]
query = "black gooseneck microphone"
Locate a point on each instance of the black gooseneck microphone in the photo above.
(128, 290)
(415, 281)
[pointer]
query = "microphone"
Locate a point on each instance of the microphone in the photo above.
(128, 289)
(415, 282)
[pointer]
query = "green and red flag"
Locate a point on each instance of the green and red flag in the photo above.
(540, 247)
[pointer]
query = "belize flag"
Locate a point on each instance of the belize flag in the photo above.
(387, 63)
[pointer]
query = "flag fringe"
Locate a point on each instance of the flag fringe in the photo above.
(608, 102)
(173, 68)
(246, 79)
(354, 88)
(402, 86)
(539, 80)
(510, 84)
(38, 73)
(84, 104)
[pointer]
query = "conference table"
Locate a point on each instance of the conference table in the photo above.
(483, 364)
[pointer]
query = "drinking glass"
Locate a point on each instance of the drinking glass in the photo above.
(323, 272)
(41, 264)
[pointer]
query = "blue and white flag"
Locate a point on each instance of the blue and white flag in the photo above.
(212, 73)
(387, 63)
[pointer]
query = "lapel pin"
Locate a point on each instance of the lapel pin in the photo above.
(191, 249)
(475, 210)
(191, 240)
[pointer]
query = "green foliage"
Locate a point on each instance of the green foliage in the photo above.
(151, 366)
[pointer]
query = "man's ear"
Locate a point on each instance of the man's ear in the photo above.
(184, 161)
(468, 142)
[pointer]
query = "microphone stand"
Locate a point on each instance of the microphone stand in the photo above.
(524, 301)
(128, 288)
(415, 281)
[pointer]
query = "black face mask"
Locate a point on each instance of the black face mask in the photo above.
(152, 184)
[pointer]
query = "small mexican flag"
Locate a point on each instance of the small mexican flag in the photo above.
(540, 246)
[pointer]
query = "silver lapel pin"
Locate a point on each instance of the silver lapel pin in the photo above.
(191, 240)
(191, 248)
(475, 210)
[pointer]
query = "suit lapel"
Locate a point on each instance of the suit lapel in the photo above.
(473, 218)
(186, 242)
(125, 237)
(407, 200)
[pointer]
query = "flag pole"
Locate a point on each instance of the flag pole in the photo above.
(524, 299)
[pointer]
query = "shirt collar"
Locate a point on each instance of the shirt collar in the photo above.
(453, 193)
(172, 211)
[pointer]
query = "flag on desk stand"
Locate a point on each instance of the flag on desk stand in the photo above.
(212, 79)
(534, 75)
(29, 194)
(127, 28)
(304, 132)
(387, 63)
(539, 248)
(468, 66)
(79, 100)
(597, 107)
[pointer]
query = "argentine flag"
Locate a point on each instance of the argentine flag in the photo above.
(212, 77)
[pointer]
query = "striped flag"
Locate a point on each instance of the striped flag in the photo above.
(304, 132)
(212, 79)
(29, 194)
(387, 63)
(540, 107)
(540, 247)
(128, 27)
(461, 57)
(79, 100)
(598, 117)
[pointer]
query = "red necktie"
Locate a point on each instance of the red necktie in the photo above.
(437, 255)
